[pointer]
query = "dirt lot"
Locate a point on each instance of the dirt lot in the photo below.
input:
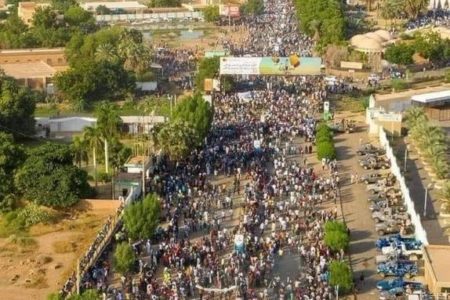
(38, 263)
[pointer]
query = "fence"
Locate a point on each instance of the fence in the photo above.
(149, 17)
(420, 232)
(97, 247)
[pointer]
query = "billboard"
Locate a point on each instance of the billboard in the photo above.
(351, 65)
(229, 11)
(215, 53)
(285, 66)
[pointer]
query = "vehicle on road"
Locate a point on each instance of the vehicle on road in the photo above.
(393, 226)
(383, 204)
(407, 269)
(387, 241)
(410, 250)
(388, 284)
(389, 214)
(369, 149)
(377, 177)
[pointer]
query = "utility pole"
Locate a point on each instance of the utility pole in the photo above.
(406, 158)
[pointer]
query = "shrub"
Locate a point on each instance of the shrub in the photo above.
(326, 150)
(336, 236)
(124, 258)
(399, 84)
(341, 275)
(141, 218)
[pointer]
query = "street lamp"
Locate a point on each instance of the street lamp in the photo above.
(428, 187)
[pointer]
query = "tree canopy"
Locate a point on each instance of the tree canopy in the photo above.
(195, 111)
(208, 67)
(211, 13)
(323, 19)
(48, 177)
(336, 236)
(341, 275)
(124, 258)
(141, 218)
(165, 3)
(16, 108)
(11, 157)
(253, 7)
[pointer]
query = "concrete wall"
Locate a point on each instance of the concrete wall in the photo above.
(152, 16)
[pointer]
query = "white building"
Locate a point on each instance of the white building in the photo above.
(128, 6)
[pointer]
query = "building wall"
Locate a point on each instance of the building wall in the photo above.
(429, 280)
(439, 114)
(53, 57)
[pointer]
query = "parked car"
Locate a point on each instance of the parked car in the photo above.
(387, 241)
(388, 214)
(393, 226)
(371, 178)
(388, 284)
(382, 258)
(407, 269)
(369, 149)
(410, 250)
(382, 204)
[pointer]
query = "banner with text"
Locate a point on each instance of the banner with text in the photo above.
(285, 66)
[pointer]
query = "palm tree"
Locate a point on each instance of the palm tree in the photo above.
(107, 52)
(93, 138)
(175, 139)
(135, 54)
(431, 137)
(414, 116)
(79, 148)
(108, 122)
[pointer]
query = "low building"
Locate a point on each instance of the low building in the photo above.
(120, 6)
(377, 118)
(437, 266)
(54, 57)
(35, 75)
(26, 10)
(436, 104)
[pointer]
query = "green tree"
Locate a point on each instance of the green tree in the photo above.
(80, 150)
(109, 123)
(90, 294)
(102, 10)
(75, 16)
(141, 218)
(211, 13)
(48, 177)
(392, 9)
(14, 34)
(414, 7)
(135, 55)
(336, 240)
(93, 81)
(341, 275)
(11, 157)
(208, 67)
(253, 7)
(124, 258)
(176, 139)
(16, 108)
(63, 5)
(326, 150)
(196, 112)
(93, 138)
(415, 115)
(165, 3)
(400, 53)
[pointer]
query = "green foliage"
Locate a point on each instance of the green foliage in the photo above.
(48, 177)
(335, 226)
(155, 106)
(17, 107)
(196, 112)
(431, 140)
(176, 139)
(323, 19)
(399, 84)
(11, 157)
(92, 81)
(341, 274)
(431, 46)
(165, 3)
(324, 142)
(336, 236)
(141, 218)
(253, 7)
(400, 53)
(31, 215)
(86, 295)
(211, 13)
(392, 9)
(207, 68)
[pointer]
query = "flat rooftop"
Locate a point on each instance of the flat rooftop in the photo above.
(114, 5)
(432, 97)
(31, 50)
(28, 70)
(438, 256)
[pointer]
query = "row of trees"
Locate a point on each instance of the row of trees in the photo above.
(398, 9)
(428, 45)
(103, 136)
(186, 130)
(430, 140)
(322, 19)
(103, 66)
(324, 142)
(52, 26)
(337, 239)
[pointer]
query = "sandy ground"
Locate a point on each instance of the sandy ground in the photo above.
(37, 268)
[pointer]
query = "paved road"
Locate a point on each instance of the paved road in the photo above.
(357, 215)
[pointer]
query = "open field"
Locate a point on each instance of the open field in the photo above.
(38, 262)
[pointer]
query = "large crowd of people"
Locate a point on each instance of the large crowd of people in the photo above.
(225, 239)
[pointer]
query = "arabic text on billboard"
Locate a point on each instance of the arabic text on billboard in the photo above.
(292, 65)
